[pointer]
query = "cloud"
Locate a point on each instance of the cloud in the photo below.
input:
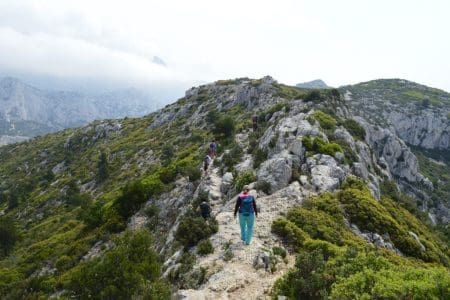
(199, 40)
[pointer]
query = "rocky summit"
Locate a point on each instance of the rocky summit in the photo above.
(351, 187)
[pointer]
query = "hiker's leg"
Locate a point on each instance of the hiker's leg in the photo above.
(242, 224)
(250, 222)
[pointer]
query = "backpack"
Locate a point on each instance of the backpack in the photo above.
(246, 205)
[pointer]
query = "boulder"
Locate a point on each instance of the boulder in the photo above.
(227, 182)
(325, 173)
(277, 171)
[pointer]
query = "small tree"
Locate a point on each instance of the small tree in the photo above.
(102, 166)
(225, 126)
(8, 235)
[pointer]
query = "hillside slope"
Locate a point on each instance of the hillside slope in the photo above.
(420, 117)
(81, 206)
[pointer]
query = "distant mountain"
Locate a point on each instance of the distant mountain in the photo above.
(26, 111)
(315, 84)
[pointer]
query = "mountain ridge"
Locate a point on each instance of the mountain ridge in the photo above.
(329, 181)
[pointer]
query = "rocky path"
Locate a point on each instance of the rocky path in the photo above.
(231, 269)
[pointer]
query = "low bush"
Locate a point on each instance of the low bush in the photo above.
(92, 215)
(318, 145)
(130, 269)
(9, 235)
(205, 247)
(313, 96)
(279, 251)
(355, 129)
(192, 229)
(133, 195)
(244, 178)
(233, 157)
(325, 120)
(224, 126)
(259, 156)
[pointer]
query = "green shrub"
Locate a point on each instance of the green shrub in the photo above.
(325, 120)
(167, 153)
(205, 247)
(307, 142)
(64, 263)
(152, 213)
(9, 278)
(291, 233)
(121, 273)
(233, 157)
(168, 174)
(279, 251)
(259, 156)
(9, 235)
(308, 280)
(313, 96)
(318, 145)
(394, 283)
(355, 129)
(192, 230)
(92, 214)
(102, 168)
(244, 178)
(133, 195)
(224, 126)
(318, 224)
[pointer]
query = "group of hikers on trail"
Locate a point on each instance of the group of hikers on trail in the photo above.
(245, 203)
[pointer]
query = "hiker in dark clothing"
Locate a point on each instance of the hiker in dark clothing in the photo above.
(205, 210)
(246, 205)
(255, 122)
(206, 162)
(212, 148)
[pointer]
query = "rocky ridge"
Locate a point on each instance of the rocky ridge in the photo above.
(304, 147)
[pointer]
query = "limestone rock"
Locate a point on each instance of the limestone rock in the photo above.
(277, 171)
(227, 182)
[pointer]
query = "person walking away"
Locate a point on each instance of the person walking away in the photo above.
(212, 148)
(205, 210)
(246, 205)
(206, 162)
(255, 122)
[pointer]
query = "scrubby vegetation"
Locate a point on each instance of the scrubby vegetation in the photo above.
(130, 269)
(205, 247)
(318, 145)
(334, 262)
(244, 178)
(192, 229)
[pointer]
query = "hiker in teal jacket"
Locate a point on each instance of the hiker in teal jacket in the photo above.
(246, 205)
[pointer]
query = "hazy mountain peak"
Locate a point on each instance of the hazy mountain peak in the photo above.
(314, 84)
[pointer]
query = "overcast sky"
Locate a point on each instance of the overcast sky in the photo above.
(341, 42)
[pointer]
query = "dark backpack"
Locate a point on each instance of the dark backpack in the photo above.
(247, 205)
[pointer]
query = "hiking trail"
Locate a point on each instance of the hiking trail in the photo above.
(230, 269)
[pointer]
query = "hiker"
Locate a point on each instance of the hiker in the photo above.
(206, 162)
(255, 122)
(246, 205)
(205, 210)
(212, 148)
